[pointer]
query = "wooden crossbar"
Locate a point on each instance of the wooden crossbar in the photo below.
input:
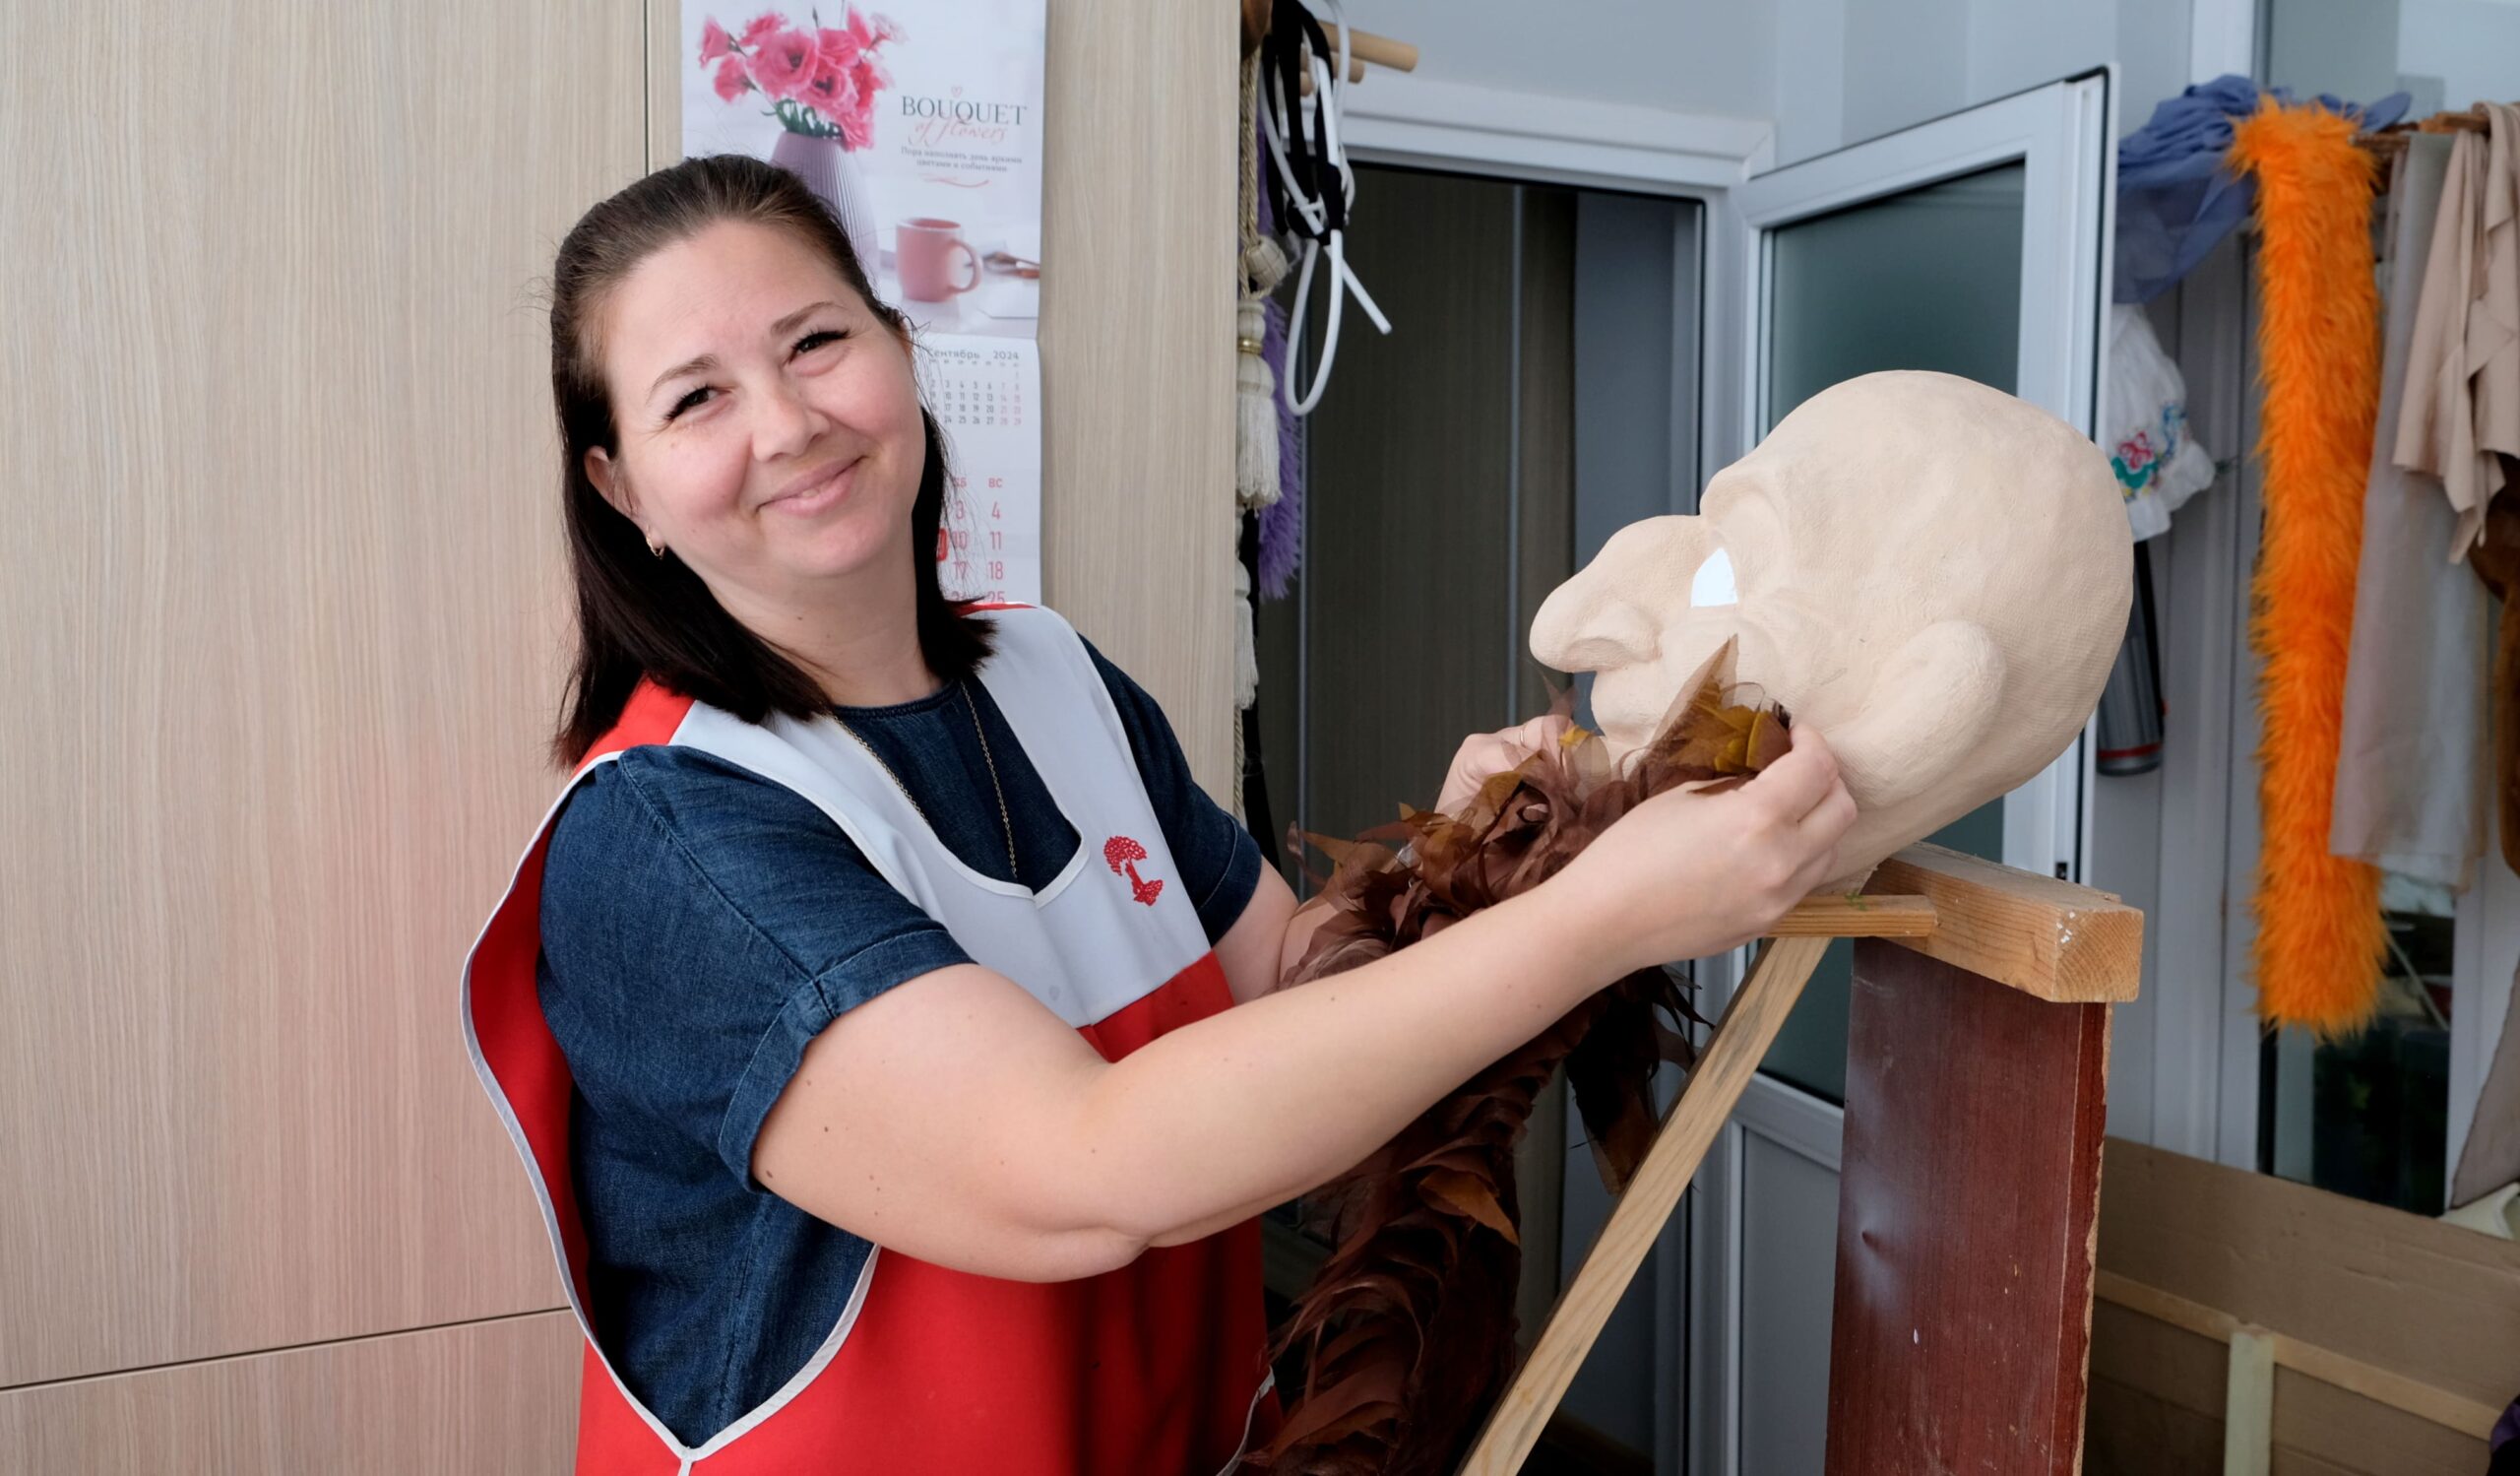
(2377, 1384)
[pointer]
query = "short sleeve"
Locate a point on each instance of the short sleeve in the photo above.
(701, 926)
(1218, 861)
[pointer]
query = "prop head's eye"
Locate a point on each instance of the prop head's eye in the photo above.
(1713, 584)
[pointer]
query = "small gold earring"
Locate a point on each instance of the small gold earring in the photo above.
(654, 547)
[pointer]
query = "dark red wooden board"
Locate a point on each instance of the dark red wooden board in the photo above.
(1968, 1194)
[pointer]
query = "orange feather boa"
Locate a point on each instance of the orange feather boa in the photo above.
(2320, 938)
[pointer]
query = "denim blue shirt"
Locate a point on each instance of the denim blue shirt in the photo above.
(700, 925)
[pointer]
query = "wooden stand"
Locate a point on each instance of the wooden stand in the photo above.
(1969, 1188)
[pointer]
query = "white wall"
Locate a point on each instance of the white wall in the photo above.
(2473, 47)
(1691, 55)
(2348, 47)
(1828, 72)
(2448, 53)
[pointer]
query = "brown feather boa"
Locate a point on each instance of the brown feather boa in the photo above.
(1409, 1326)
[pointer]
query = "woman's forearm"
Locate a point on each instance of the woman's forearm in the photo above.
(1250, 1106)
(955, 1119)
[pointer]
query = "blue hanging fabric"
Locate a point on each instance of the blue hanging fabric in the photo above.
(2175, 198)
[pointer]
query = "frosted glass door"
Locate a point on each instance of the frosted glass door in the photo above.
(1976, 245)
(1926, 279)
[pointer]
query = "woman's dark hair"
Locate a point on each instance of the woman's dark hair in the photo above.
(641, 615)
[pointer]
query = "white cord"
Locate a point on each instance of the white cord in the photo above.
(1327, 84)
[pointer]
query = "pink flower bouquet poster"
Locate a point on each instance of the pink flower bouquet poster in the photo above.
(919, 122)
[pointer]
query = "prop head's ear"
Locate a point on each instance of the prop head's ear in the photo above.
(1935, 701)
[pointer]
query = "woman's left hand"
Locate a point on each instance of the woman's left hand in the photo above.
(1486, 753)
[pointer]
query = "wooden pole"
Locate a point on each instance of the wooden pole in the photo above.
(1750, 1024)
(1381, 50)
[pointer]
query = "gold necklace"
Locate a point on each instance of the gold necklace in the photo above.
(1004, 820)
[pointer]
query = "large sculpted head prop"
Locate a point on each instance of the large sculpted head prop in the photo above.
(1933, 573)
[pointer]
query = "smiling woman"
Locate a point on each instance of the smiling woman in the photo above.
(890, 1026)
(735, 404)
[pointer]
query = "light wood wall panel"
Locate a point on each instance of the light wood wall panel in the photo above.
(1137, 338)
(1138, 253)
(279, 613)
(483, 1398)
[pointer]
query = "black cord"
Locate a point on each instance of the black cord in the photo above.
(1281, 51)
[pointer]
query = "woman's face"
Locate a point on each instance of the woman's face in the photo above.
(768, 420)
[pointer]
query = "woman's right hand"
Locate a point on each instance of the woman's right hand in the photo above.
(1690, 873)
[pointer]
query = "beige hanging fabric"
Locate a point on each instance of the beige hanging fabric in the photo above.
(2461, 412)
(2410, 796)
(2491, 1157)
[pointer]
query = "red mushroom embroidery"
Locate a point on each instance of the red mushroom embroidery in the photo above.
(1122, 855)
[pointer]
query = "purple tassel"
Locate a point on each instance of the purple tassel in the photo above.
(1282, 521)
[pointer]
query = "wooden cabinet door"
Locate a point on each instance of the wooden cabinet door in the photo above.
(280, 608)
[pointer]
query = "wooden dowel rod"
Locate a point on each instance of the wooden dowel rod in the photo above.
(1750, 1024)
(1365, 46)
(2393, 138)
(1355, 67)
(1381, 50)
(1303, 79)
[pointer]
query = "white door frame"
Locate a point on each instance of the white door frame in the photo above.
(2205, 1035)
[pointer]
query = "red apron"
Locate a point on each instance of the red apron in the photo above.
(1151, 1370)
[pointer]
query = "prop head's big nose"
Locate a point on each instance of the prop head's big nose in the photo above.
(1584, 627)
(1613, 613)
